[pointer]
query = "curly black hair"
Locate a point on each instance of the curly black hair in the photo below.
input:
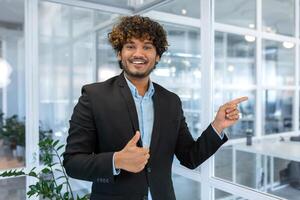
(140, 28)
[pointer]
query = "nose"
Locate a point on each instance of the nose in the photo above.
(139, 52)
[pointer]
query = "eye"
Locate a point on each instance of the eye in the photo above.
(129, 46)
(148, 47)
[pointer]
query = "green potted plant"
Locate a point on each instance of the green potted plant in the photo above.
(13, 132)
(52, 180)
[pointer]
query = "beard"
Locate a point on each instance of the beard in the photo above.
(137, 74)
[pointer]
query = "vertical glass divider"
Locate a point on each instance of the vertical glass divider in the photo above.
(296, 99)
(207, 68)
(31, 87)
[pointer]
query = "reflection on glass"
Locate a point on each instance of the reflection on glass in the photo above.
(278, 16)
(236, 12)
(234, 60)
(179, 71)
(67, 43)
(13, 188)
(220, 194)
(278, 111)
(286, 181)
(278, 63)
(186, 188)
(247, 109)
(12, 85)
(238, 166)
(190, 8)
(107, 65)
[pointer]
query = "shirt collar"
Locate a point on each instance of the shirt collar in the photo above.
(149, 93)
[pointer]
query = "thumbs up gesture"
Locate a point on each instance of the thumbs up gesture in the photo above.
(132, 158)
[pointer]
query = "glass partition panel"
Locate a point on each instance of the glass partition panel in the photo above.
(234, 60)
(13, 188)
(236, 12)
(278, 62)
(190, 8)
(238, 166)
(186, 188)
(269, 164)
(278, 17)
(278, 109)
(12, 85)
(67, 61)
(179, 71)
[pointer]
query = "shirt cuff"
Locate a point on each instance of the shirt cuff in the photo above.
(221, 135)
(115, 171)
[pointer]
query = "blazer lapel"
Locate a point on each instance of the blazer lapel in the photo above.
(125, 91)
(157, 120)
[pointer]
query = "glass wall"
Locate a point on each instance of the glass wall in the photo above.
(12, 85)
(263, 67)
(67, 61)
(13, 188)
(256, 54)
(186, 188)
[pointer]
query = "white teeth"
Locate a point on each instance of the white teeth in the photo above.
(138, 62)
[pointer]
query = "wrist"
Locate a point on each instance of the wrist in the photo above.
(117, 160)
(217, 127)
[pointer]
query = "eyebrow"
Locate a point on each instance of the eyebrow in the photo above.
(131, 42)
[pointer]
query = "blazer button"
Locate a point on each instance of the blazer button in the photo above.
(149, 169)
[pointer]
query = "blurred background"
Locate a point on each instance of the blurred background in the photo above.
(219, 50)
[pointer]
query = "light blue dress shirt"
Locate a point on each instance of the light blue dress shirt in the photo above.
(145, 111)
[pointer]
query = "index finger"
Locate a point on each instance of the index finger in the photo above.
(238, 100)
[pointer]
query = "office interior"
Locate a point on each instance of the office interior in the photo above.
(219, 50)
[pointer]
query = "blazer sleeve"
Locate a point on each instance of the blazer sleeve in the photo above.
(192, 153)
(80, 159)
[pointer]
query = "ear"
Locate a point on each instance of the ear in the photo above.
(119, 56)
(157, 58)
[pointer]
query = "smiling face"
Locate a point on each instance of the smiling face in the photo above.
(138, 58)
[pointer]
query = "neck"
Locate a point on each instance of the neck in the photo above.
(141, 84)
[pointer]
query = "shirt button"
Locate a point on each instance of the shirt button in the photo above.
(149, 169)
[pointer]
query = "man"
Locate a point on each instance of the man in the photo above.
(124, 132)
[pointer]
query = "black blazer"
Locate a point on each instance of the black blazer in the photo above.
(105, 119)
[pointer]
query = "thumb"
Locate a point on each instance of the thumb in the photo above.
(134, 139)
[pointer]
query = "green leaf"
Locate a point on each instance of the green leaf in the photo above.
(61, 146)
(33, 174)
(59, 188)
(55, 143)
(60, 177)
(59, 170)
(46, 170)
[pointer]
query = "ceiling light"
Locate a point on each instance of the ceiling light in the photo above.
(288, 45)
(230, 68)
(249, 38)
(251, 26)
(183, 11)
(5, 72)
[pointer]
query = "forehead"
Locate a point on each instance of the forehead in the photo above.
(138, 41)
